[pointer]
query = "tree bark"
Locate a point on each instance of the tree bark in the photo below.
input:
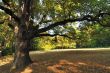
(22, 47)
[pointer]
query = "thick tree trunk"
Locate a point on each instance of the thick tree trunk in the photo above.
(23, 45)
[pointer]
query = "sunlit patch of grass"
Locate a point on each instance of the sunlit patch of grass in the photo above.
(27, 70)
(5, 60)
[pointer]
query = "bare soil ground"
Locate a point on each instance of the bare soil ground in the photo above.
(64, 62)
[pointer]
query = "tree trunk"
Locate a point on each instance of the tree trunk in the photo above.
(22, 47)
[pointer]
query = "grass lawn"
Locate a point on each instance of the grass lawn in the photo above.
(64, 62)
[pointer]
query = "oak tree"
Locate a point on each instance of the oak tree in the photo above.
(33, 18)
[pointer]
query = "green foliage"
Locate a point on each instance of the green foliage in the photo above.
(64, 43)
(49, 43)
(6, 36)
(94, 36)
(55, 11)
(43, 43)
(7, 51)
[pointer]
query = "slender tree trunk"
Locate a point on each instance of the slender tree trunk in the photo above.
(22, 47)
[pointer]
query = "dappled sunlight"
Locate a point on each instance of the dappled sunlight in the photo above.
(66, 62)
(81, 63)
(5, 60)
(108, 67)
(65, 66)
(72, 62)
(27, 70)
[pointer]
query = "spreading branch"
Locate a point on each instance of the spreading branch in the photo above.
(6, 2)
(1, 21)
(52, 35)
(9, 12)
(87, 18)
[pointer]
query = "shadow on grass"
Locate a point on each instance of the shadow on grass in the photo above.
(7, 69)
(66, 62)
(65, 66)
(72, 62)
(61, 66)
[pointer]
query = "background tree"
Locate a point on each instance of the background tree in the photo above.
(93, 36)
(6, 36)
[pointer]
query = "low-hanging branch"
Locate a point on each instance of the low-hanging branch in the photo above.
(52, 35)
(1, 21)
(9, 12)
(63, 22)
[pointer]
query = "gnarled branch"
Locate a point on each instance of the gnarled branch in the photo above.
(1, 21)
(52, 35)
(9, 12)
(87, 18)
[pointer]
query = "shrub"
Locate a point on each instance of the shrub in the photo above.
(7, 51)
